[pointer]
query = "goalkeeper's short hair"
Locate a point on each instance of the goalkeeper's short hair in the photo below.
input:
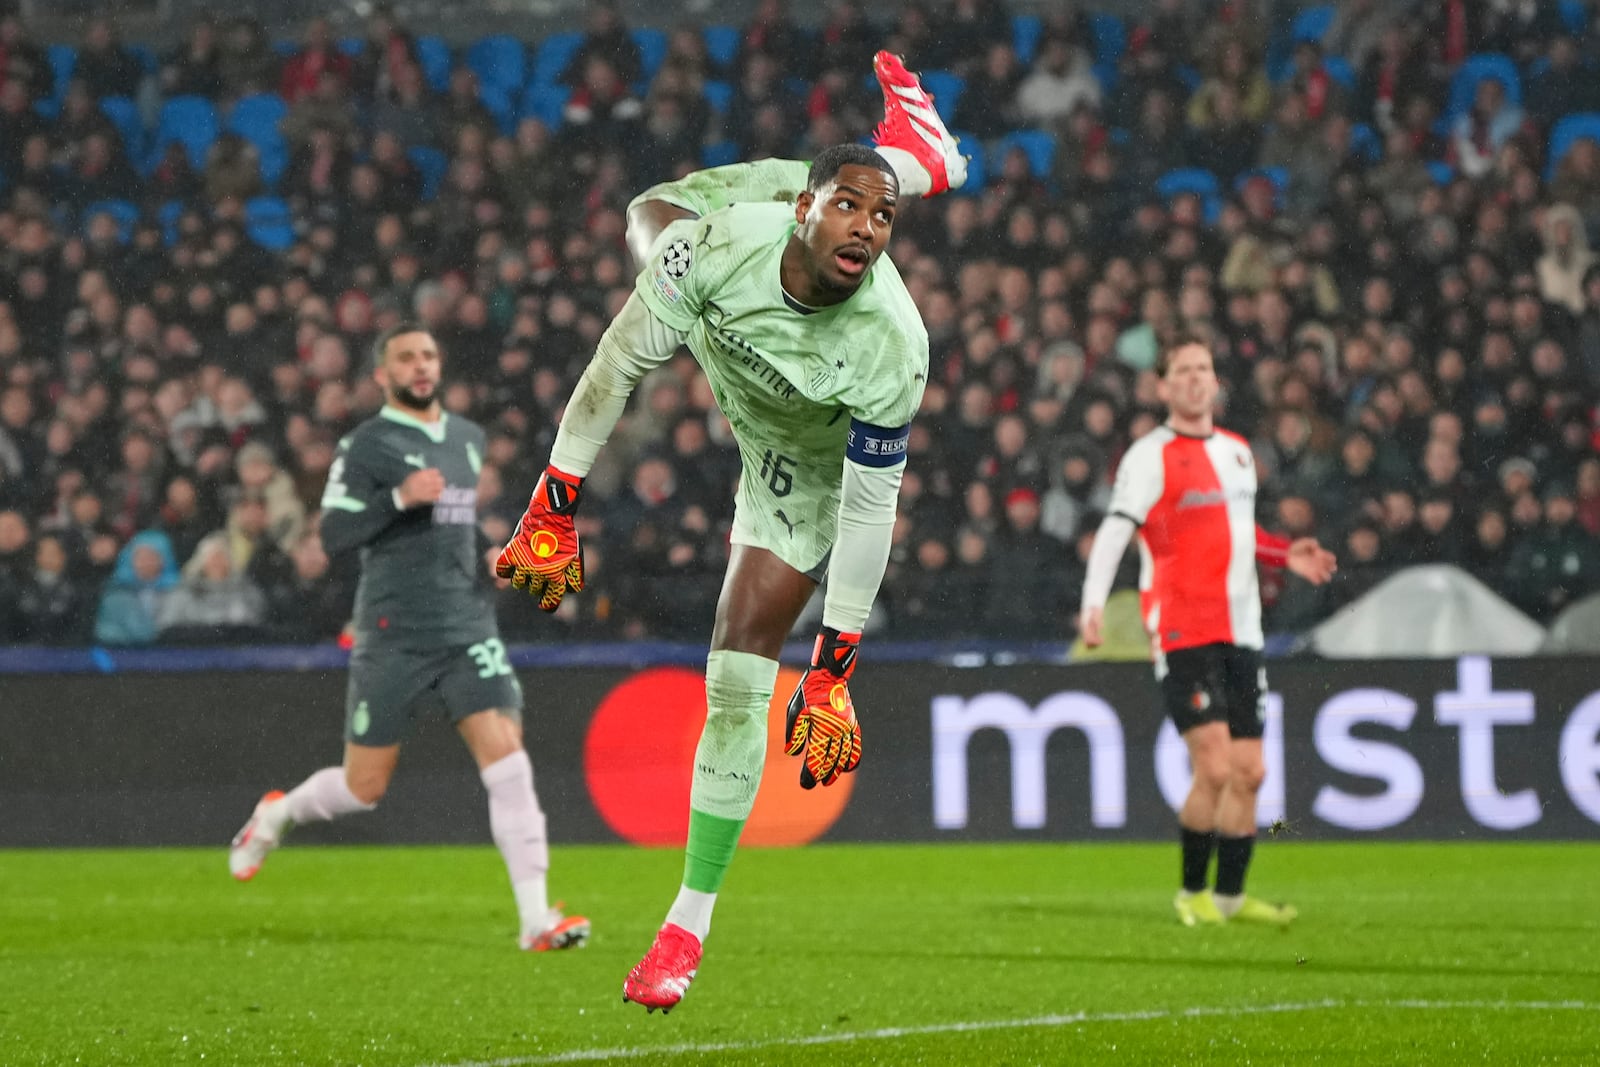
(825, 168)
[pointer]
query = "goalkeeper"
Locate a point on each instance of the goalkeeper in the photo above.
(771, 273)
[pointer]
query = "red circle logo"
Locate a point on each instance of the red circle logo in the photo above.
(544, 544)
(638, 759)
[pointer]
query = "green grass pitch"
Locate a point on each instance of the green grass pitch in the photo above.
(944, 955)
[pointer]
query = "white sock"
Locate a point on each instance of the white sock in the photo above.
(692, 911)
(320, 798)
(518, 827)
(1228, 903)
(913, 177)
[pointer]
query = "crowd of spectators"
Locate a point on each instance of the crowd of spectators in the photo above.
(1404, 306)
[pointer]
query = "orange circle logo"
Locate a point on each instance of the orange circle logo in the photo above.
(544, 544)
(638, 759)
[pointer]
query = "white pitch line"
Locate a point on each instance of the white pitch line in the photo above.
(589, 1055)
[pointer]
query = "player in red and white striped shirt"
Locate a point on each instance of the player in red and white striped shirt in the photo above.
(1189, 490)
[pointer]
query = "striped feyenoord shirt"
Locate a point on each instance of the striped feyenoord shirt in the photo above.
(1194, 500)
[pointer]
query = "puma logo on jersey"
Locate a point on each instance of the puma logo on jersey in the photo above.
(785, 520)
(417, 460)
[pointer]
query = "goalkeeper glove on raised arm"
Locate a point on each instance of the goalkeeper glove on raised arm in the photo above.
(544, 556)
(821, 725)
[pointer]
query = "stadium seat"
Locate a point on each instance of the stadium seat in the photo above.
(63, 60)
(652, 51)
(256, 117)
(269, 223)
(1441, 172)
(123, 111)
(432, 163)
(719, 95)
(351, 46)
(168, 217)
(547, 103)
(1195, 180)
(1311, 24)
(945, 87)
(1365, 143)
(285, 49)
(1038, 145)
(126, 214)
(1464, 86)
(722, 44)
(434, 55)
(146, 57)
(1584, 125)
(1574, 16)
(553, 55)
(720, 154)
(1110, 38)
(501, 105)
(1339, 70)
(1025, 33)
(191, 120)
(498, 61)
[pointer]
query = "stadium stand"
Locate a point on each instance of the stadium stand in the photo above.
(1397, 272)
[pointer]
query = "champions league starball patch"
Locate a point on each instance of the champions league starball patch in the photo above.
(675, 260)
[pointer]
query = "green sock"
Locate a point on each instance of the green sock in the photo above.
(711, 844)
(727, 763)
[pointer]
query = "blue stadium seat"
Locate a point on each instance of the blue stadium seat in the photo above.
(168, 216)
(547, 103)
(498, 61)
(146, 57)
(1365, 143)
(1110, 38)
(720, 154)
(1574, 16)
(722, 44)
(126, 214)
(1038, 145)
(257, 116)
(63, 60)
(1584, 125)
(1025, 32)
(123, 111)
(1195, 180)
(434, 55)
(285, 49)
(432, 164)
(351, 46)
(1311, 24)
(719, 95)
(191, 120)
(652, 51)
(1464, 86)
(553, 55)
(1339, 70)
(501, 105)
(1441, 172)
(269, 223)
(945, 87)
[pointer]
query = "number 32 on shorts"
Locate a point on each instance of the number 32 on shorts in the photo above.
(490, 656)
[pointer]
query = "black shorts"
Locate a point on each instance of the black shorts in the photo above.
(1215, 683)
(391, 686)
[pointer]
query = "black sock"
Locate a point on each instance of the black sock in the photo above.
(1233, 859)
(1197, 849)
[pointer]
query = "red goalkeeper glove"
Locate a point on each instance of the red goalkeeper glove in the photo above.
(821, 725)
(544, 556)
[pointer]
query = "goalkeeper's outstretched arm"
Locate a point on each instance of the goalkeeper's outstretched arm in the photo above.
(704, 191)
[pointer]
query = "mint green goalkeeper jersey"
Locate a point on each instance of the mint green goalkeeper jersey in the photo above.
(797, 384)
(772, 181)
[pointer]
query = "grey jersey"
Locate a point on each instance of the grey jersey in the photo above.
(423, 577)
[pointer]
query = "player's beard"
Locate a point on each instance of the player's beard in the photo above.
(407, 399)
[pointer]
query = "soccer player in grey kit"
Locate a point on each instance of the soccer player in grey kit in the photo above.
(403, 490)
